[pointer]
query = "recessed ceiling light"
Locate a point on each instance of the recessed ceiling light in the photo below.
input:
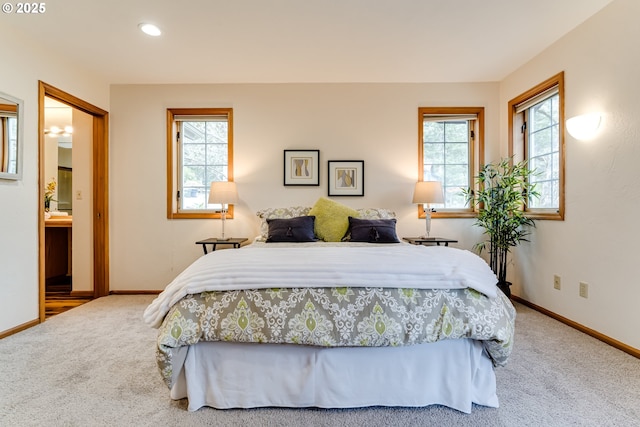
(150, 29)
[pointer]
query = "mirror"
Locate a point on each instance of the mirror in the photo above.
(10, 137)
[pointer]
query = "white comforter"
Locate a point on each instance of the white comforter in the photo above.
(397, 266)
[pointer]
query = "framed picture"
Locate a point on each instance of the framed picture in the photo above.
(301, 167)
(346, 177)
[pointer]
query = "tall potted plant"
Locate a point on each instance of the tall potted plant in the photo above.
(503, 190)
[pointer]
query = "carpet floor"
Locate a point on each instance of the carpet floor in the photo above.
(94, 365)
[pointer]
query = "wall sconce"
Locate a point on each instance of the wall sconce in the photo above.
(427, 192)
(585, 126)
(223, 193)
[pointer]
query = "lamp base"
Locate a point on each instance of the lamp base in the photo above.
(223, 217)
(427, 222)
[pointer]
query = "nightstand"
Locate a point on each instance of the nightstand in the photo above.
(214, 241)
(429, 240)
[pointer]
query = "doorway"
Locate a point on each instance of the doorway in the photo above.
(91, 197)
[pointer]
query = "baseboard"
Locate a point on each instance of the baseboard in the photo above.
(19, 328)
(595, 334)
(141, 292)
(81, 294)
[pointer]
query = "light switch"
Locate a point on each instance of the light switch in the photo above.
(78, 195)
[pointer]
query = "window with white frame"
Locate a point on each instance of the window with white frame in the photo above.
(537, 135)
(450, 149)
(200, 151)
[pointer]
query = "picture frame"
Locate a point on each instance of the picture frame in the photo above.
(302, 167)
(346, 177)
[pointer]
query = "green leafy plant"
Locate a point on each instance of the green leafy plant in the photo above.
(503, 189)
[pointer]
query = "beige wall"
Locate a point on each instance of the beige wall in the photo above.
(23, 64)
(597, 243)
(377, 123)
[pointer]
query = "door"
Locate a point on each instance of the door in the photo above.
(97, 212)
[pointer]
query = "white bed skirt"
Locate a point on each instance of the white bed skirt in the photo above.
(454, 373)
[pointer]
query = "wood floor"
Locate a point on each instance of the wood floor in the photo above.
(58, 299)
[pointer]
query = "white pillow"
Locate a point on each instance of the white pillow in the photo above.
(375, 213)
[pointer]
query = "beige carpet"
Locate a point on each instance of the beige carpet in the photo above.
(94, 366)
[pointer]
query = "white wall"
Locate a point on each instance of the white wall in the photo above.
(23, 64)
(377, 123)
(597, 242)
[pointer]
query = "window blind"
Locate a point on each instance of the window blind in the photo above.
(537, 99)
(201, 118)
(448, 117)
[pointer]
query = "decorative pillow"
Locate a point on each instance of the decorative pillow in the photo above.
(375, 213)
(332, 219)
(270, 213)
(299, 229)
(373, 230)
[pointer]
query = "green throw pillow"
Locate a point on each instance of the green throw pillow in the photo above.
(332, 219)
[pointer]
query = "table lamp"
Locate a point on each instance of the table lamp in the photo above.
(223, 193)
(425, 193)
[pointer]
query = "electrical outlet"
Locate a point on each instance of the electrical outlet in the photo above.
(556, 282)
(584, 290)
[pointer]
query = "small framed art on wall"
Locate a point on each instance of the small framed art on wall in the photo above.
(301, 167)
(346, 178)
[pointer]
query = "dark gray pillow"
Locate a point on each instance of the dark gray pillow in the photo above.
(298, 229)
(373, 230)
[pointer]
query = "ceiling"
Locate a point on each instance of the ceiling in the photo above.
(284, 41)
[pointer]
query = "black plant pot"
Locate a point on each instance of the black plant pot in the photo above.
(505, 287)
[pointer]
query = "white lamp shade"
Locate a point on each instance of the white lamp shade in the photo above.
(223, 192)
(585, 126)
(428, 192)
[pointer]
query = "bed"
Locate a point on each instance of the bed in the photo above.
(333, 324)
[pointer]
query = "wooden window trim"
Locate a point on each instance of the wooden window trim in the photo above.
(517, 146)
(172, 178)
(476, 154)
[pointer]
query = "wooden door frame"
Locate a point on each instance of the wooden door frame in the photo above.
(100, 187)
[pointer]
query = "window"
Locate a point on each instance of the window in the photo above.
(450, 146)
(536, 133)
(199, 151)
